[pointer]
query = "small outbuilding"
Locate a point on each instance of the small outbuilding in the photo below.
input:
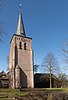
(43, 81)
(4, 80)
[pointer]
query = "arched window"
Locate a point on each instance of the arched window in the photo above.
(25, 46)
(20, 45)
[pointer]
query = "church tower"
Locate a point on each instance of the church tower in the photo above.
(21, 58)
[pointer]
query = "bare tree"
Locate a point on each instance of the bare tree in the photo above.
(8, 63)
(63, 78)
(65, 51)
(51, 65)
(1, 28)
(36, 68)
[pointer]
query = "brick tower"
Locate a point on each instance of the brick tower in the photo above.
(21, 58)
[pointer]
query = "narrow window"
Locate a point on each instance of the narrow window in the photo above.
(25, 46)
(20, 45)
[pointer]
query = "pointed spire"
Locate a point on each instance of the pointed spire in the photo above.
(20, 26)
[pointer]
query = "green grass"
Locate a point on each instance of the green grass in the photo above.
(55, 89)
(9, 92)
(5, 93)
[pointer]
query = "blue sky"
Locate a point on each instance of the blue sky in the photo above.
(46, 21)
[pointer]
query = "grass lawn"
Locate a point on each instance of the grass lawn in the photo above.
(55, 89)
(5, 93)
(11, 92)
(17, 91)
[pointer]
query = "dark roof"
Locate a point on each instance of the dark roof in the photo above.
(3, 76)
(44, 76)
(2, 73)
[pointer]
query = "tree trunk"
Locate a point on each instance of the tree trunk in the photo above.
(50, 81)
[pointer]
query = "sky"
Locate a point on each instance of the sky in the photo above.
(46, 21)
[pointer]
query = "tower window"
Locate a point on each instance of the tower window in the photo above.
(25, 46)
(20, 45)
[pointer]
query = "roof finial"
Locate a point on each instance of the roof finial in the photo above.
(20, 8)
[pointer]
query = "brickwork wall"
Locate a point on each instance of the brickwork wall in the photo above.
(23, 56)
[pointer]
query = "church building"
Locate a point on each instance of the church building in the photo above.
(21, 62)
